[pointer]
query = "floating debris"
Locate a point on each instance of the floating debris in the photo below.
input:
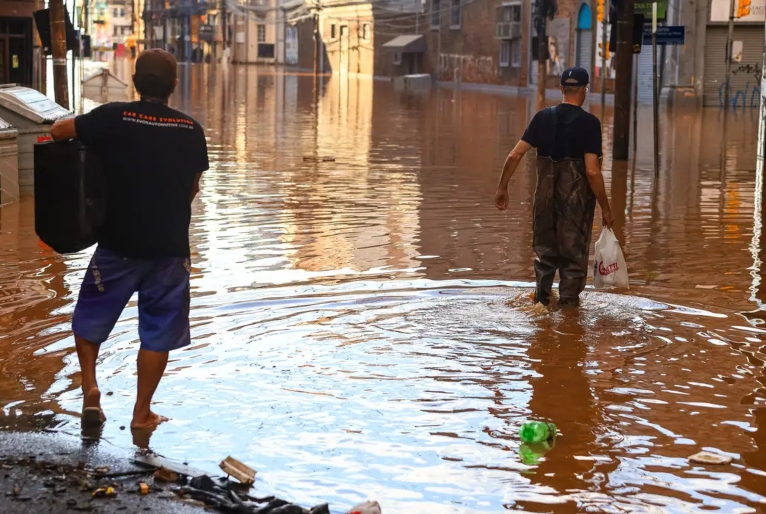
(710, 458)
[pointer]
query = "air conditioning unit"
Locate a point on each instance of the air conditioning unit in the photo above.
(508, 30)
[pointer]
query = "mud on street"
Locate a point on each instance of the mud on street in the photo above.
(360, 318)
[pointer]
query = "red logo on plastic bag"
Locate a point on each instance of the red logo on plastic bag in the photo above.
(43, 139)
(607, 270)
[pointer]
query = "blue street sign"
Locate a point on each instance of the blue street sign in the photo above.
(666, 34)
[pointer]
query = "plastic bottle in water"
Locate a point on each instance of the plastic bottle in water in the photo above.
(537, 432)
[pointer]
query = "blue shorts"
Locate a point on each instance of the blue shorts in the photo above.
(163, 299)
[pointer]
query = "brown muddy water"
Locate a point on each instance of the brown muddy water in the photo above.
(353, 335)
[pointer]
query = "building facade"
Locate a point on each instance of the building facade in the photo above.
(174, 26)
(346, 43)
(494, 43)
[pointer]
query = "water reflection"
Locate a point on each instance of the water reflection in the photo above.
(352, 336)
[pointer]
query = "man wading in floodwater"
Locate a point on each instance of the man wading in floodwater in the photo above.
(569, 181)
(154, 157)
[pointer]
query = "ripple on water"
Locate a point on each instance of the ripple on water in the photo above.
(361, 330)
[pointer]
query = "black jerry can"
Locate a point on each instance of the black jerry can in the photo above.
(70, 195)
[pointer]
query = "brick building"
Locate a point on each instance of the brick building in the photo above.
(495, 42)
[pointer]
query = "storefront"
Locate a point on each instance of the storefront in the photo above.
(747, 55)
(747, 61)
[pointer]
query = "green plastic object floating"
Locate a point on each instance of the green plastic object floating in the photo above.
(535, 432)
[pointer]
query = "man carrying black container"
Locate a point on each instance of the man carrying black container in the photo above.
(154, 157)
(569, 182)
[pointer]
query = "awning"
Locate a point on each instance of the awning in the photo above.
(414, 44)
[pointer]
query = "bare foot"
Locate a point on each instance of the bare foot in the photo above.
(150, 421)
(91, 408)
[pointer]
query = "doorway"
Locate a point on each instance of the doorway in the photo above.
(344, 49)
(3, 71)
(584, 54)
(16, 50)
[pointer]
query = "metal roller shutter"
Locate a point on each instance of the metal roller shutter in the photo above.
(585, 50)
(645, 74)
(745, 79)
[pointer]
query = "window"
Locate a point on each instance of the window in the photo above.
(398, 59)
(505, 53)
(261, 33)
(366, 32)
(516, 53)
(116, 12)
(122, 13)
(508, 21)
(436, 14)
(510, 13)
(455, 14)
(332, 31)
(117, 31)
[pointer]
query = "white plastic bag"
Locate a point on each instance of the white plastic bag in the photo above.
(609, 268)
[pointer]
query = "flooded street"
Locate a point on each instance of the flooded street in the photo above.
(360, 311)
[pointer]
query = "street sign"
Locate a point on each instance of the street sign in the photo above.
(645, 8)
(666, 35)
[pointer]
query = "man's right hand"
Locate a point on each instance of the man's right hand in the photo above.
(608, 219)
(501, 198)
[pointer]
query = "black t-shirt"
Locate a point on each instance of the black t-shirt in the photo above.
(577, 132)
(152, 154)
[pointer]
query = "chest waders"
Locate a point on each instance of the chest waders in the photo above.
(562, 223)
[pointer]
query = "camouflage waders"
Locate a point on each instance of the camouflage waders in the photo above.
(562, 227)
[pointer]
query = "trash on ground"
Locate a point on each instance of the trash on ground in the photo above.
(537, 432)
(709, 458)
(165, 475)
(104, 492)
(15, 490)
(242, 472)
(143, 488)
(101, 470)
(368, 507)
(155, 461)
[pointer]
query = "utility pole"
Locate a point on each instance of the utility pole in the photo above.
(656, 94)
(541, 71)
(601, 20)
(729, 43)
(761, 151)
(622, 82)
(545, 9)
(316, 41)
(58, 48)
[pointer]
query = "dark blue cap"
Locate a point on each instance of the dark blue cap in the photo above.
(575, 77)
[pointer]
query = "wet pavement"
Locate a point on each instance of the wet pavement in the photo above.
(361, 318)
(40, 474)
